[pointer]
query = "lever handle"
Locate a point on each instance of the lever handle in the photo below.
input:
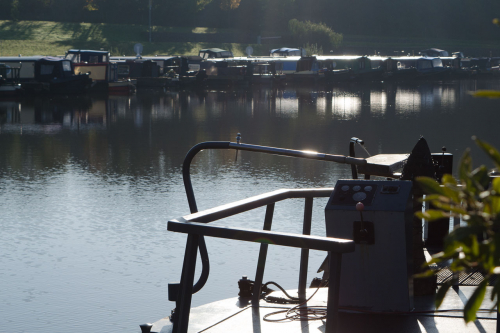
(360, 207)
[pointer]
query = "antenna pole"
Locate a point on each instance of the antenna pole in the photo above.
(150, 5)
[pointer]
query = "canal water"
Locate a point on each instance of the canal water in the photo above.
(87, 185)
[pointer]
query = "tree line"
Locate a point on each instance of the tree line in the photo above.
(454, 19)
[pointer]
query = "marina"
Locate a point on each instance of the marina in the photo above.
(98, 71)
(89, 184)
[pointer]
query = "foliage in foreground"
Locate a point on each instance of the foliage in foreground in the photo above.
(476, 245)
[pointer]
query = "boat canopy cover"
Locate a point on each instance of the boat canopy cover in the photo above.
(433, 52)
(90, 56)
(285, 51)
(49, 68)
(215, 53)
(87, 51)
(20, 59)
(213, 50)
(52, 59)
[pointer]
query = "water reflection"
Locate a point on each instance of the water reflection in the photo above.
(295, 117)
(343, 102)
(87, 184)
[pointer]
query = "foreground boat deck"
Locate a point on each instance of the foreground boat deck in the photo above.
(237, 315)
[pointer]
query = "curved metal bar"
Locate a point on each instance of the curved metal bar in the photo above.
(186, 176)
(255, 148)
(205, 261)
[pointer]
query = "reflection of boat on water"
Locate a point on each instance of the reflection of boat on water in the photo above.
(265, 73)
(373, 250)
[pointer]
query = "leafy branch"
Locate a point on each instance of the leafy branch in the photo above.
(475, 198)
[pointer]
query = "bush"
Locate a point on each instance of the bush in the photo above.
(314, 33)
(312, 49)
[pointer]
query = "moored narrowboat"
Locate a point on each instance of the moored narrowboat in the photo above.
(53, 75)
(9, 81)
(101, 70)
(350, 68)
(409, 68)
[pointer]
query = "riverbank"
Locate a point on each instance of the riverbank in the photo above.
(55, 38)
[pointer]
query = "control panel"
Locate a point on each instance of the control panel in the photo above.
(374, 194)
(351, 194)
(377, 215)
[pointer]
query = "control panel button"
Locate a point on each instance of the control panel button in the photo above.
(356, 188)
(359, 196)
(345, 188)
(368, 188)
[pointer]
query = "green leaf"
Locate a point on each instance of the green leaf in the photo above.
(435, 197)
(441, 293)
(432, 215)
(490, 150)
(475, 301)
(447, 207)
(475, 247)
(429, 185)
(426, 274)
(481, 177)
(465, 167)
(448, 179)
(463, 234)
(495, 198)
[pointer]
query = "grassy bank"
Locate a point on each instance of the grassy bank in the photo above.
(55, 38)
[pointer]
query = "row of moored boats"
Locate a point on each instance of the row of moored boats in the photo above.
(81, 71)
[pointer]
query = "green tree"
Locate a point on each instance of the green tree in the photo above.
(314, 33)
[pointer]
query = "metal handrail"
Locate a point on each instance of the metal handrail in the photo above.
(186, 175)
(255, 148)
(241, 206)
(197, 225)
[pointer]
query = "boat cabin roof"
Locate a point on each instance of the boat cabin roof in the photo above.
(88, 56)
(157, 58)
(414, 58)
(433, 52)
(285, 51)
(74, 51)
(343, 57)
(215, 53)
(20, 59)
